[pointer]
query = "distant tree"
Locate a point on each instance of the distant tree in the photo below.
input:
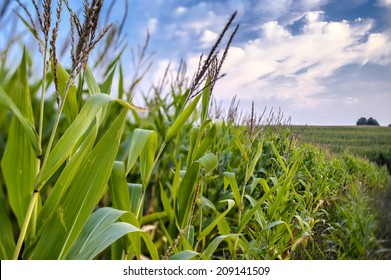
(362, 121)
(389, 125)
(372, 121)
(365, 121)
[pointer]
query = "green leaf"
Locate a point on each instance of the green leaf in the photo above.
(246, 218)
(118, 187)
(279, 157)
(97, 222)
(241, 148)
(144, 143)
(26, 125)
(217, 220)
(285, 184)
(206, 142)
(82, 196)
(205, 100)
(230, 180)
(254, 160)
(67, 175)
(166, 204)
(135, 192)
(19, 162)
(184, 255)
(215, 243)
(76, 130)
(187, 186)
(92, 84)
(7, 242)
(101, 231)
(71, 106)
(106, 86)
(182, 118)
(175, 181)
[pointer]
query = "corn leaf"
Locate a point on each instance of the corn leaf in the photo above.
(119, 194)
(248, 215)
(118, 187)
(7, 242)
(71, 106)
(66, 177)
(135, 192)
(217, 220)
(206, 142)
(184, 255)
(92, 84)
(19, 160)
(166, 204)
(175, 181)
(84, 193)
(76, 130)
(205, 100)
(144, 143)
(254, 160)
(28, 128)
(100, 231)
(230, 180)
(187, 186)
(98, 221)
(241, 148)
(215, 244)
(106, 86)
(182, 118)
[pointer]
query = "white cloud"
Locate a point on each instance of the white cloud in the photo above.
(180, 10)
(283, 66)
(208, 38)
(385, 3)
(152, 25)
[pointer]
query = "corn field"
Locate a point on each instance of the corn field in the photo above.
(87, 174)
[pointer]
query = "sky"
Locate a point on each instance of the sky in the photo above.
(321, 62)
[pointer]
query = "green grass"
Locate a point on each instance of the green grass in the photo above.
(371, 142)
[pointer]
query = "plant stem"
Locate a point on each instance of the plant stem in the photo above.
(43, 91)
(26, 222)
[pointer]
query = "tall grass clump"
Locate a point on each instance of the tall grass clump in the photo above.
(86, 175)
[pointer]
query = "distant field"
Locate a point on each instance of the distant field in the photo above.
(371, 142)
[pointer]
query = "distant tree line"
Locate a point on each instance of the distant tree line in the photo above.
(365, 121)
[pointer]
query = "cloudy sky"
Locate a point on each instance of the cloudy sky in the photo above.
(319, 61)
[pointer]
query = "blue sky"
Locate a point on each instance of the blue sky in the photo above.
(320, 61)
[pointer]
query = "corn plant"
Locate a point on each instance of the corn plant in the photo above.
(86, 175)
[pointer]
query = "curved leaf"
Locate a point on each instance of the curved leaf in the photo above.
(76, 130)
(83, 194)
(217, 220)
(27, 126)
(184, 255)
(215, 243)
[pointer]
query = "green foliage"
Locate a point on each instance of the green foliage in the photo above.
(102, 181)
(371, 142)
(365, 121)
